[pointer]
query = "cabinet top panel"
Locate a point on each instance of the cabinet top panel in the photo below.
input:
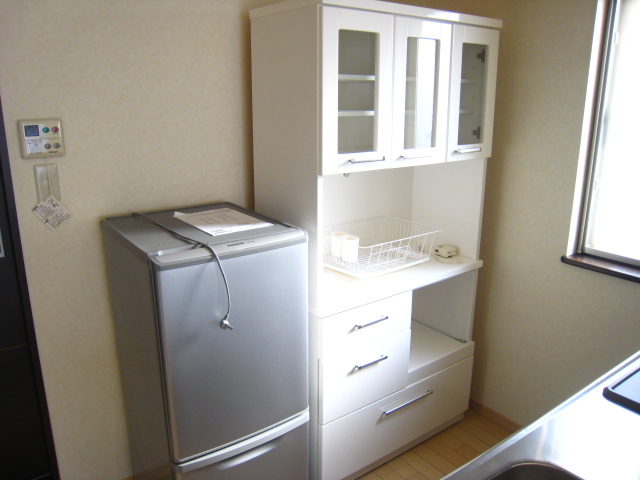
(380, 6)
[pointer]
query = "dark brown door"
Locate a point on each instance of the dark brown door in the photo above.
(26, 443)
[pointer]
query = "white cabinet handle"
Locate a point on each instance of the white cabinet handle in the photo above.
(364, 325)
(406, 404)
(355, 160)
(469, 150)
(360, 367)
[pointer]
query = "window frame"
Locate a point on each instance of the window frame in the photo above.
(604, 32)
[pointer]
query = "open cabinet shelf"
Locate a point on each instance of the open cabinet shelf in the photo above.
(340, 292)
(432, 351)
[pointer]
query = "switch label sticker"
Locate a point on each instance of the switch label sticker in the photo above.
(51, 212)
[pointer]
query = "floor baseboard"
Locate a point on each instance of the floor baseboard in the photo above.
(494, 416)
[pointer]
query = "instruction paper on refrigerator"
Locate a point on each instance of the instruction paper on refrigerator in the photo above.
(221, 221)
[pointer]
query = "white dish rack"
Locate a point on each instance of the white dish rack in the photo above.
(384, 244)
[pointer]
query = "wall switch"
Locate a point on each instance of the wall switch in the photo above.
(47, 182)
(41, 138)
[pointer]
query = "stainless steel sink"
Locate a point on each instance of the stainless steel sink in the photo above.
(534, 471)
(580, 435)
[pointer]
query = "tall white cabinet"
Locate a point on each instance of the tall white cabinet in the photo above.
(365, 109)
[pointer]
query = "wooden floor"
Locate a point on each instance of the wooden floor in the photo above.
(444, 452)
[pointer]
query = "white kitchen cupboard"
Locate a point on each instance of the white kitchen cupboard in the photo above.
(422, 53)
(337, 85)
(357, 86)
(379, 94)
(473, 91)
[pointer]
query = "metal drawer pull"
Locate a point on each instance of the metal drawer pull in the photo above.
(385, 412)
(371, 323)
(355, 160)
(414, 157)
(469, 150)
(360, 367)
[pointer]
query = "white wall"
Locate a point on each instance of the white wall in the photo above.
(154, 96)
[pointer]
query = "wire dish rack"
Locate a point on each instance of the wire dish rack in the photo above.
(376, 246)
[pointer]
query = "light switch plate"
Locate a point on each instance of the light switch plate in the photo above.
(47, 182)
(41, 138)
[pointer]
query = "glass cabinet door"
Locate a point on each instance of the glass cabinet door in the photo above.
(422, 61)
(356, 90)
(473, 86)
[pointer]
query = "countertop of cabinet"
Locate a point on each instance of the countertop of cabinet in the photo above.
(340, 292)
(588, 436)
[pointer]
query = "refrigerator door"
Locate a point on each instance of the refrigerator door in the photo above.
(222, 386)
(277, 454)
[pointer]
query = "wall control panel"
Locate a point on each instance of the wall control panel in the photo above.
(41, 138)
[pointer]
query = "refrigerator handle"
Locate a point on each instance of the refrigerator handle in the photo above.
(253, 447)
(248, 456)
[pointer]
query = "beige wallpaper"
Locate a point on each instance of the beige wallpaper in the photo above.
(155, 100)
(154, 96)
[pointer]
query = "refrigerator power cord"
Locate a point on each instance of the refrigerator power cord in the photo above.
(224, 323)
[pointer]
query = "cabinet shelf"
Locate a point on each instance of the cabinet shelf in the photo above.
(432, 351)
(468, 81)
(340, 292)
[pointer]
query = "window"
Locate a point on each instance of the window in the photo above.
(608, 235)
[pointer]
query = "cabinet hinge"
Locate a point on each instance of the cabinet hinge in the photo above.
(482, 56)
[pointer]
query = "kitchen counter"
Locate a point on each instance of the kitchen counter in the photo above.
(587, 435)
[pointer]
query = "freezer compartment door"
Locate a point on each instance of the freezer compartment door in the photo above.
(222, 386)
(277, 454)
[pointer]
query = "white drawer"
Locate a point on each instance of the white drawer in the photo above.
(371, 322)
(362, 376)
(359, 439)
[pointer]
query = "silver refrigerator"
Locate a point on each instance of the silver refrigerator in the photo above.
(210, 314)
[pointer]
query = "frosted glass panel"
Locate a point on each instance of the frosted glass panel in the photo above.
(420, 113)
(470, 129)
(357, 90)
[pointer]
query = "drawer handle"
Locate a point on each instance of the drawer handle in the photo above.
(406, 404)
(360, 367)
(382, 319)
